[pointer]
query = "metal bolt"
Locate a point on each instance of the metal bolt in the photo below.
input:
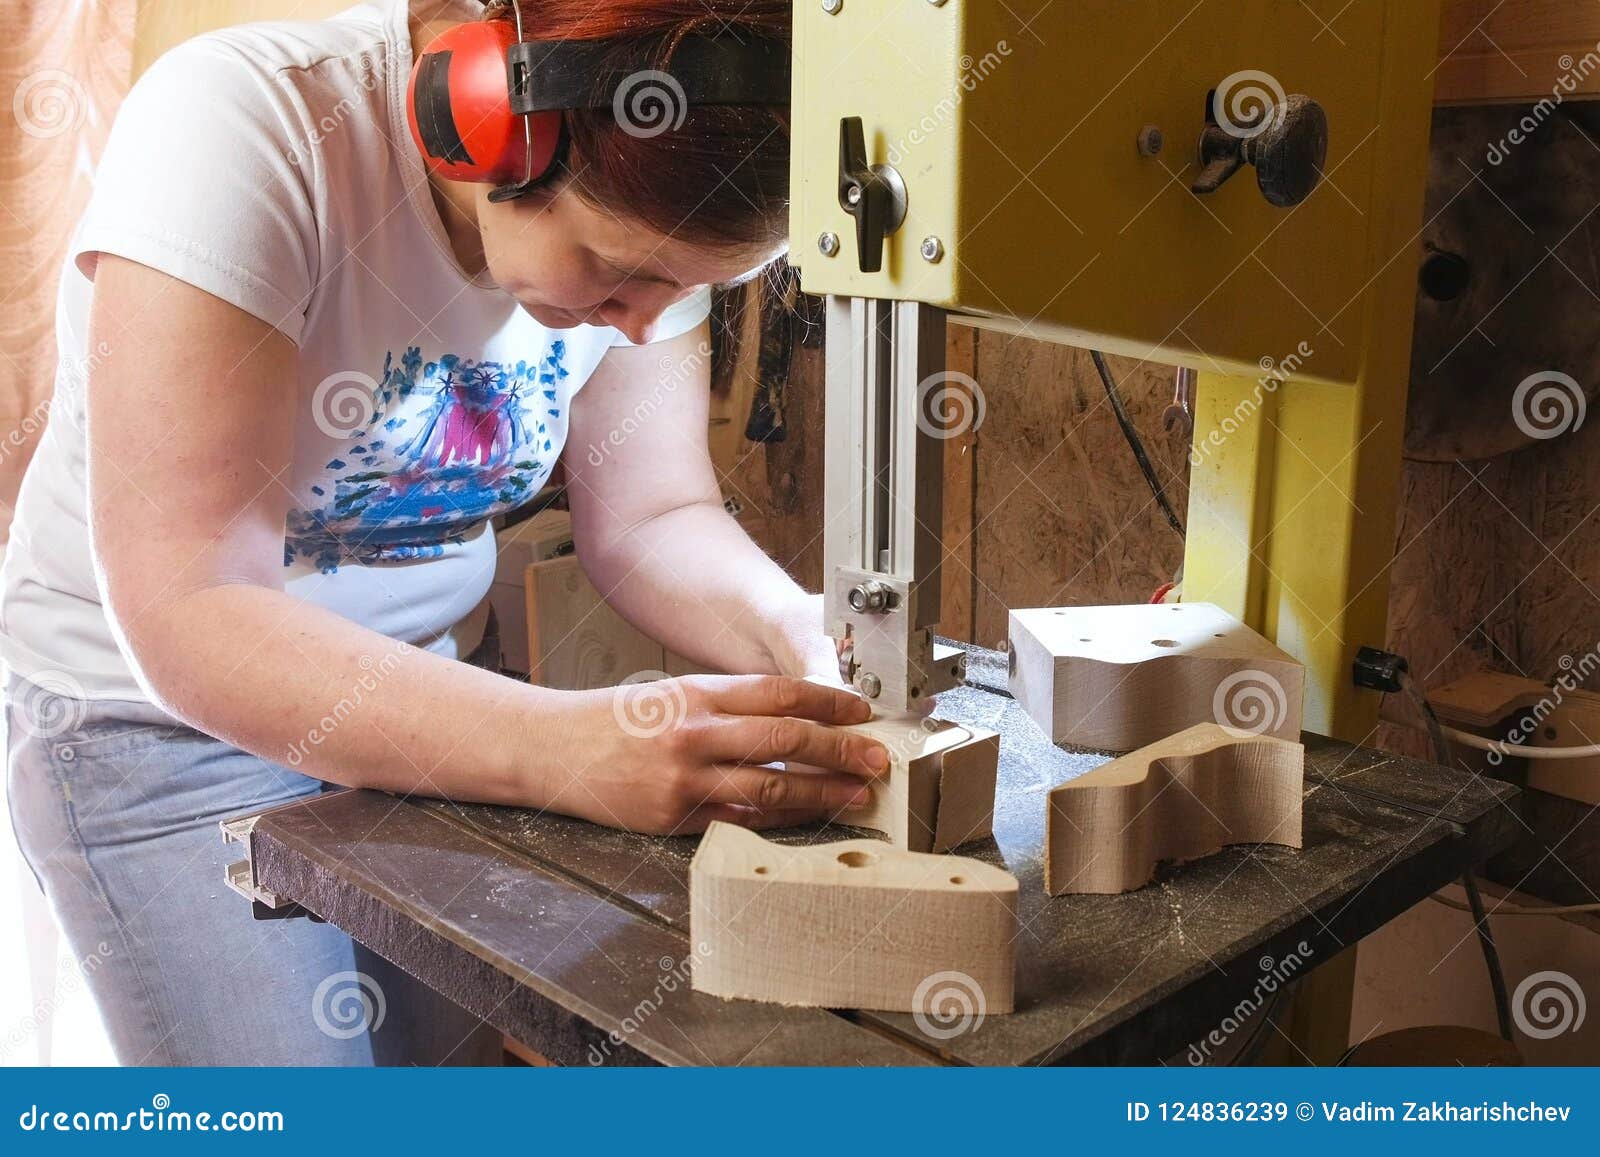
(937, 3)
(869, 596)
(932, 249)
(1151, 141)
(828, 244)
(871, 685)
(831, 7)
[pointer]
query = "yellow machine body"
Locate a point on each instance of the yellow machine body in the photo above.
(1016, 131)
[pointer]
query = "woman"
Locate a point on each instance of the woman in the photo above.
(299, 372)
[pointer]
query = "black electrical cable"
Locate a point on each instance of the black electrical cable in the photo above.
(1480, 918)
(1491, 955)
(1134, 443)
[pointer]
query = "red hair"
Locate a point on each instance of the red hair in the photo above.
(721, 177)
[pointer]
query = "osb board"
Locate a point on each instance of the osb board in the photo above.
(1063, 514)
(1498, 561)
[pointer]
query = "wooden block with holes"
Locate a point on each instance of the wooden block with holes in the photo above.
(1182, 798)
(1118, 678)
(939, 792)
(856, 924)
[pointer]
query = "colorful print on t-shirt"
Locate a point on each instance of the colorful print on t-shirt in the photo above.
(449, 444)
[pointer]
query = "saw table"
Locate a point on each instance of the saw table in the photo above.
(573, 939)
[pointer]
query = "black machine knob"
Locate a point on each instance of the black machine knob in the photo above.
(1287, 143)
(873, 194)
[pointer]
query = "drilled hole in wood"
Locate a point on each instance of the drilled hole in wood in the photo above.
(760, 870)
(857, 859)
(1163, 642)
(1085, 640)
(958, 879)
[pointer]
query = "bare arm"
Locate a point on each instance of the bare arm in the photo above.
(651, 529)
(191, 419)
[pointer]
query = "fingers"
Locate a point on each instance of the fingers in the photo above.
(768, 791)
(786, 740)
(780, 695)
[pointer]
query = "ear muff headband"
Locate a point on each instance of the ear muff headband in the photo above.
(484, 105)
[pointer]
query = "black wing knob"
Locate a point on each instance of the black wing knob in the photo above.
(873, 194)
(1287, 143)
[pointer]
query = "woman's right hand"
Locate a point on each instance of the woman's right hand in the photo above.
(671, 756)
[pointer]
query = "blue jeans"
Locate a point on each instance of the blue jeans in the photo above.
(116, 810)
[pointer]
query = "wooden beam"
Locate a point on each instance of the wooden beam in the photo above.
(1517, 50)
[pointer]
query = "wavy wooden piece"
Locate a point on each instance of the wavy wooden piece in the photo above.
(1118, 678)
(939, 793)
(856, 924)
(1185, 797)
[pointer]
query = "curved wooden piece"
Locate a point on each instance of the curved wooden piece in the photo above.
(1118, 678)
(939, 793)
(1182, 798)
(856, 924)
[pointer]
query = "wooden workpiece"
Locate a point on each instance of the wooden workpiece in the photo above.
(856, 924)
(1182, 798)
(1118, 678)
(939, 791)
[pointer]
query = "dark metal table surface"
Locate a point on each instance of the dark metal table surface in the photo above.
(573, 938)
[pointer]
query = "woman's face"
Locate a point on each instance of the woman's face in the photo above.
(569, 263)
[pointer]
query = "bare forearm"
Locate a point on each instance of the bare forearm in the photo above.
(692, 579)
(302, 687)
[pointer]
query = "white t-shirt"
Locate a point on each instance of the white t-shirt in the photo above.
(271, 165)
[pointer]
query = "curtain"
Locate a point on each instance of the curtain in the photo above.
(64, 67)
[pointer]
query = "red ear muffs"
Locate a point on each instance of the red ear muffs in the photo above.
(458, 104)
